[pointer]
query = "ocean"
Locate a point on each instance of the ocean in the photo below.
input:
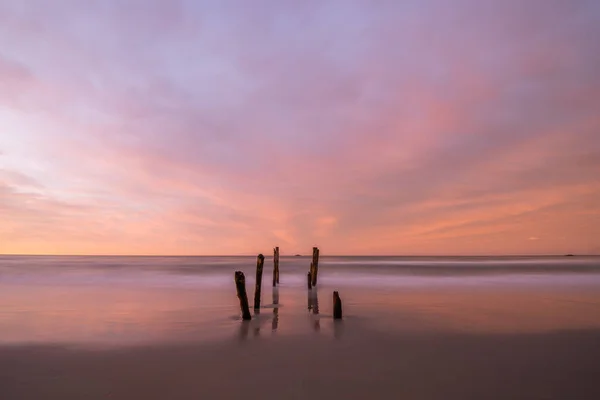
(134, 298)
(100, 327)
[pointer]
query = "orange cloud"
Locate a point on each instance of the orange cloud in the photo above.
(225, 131)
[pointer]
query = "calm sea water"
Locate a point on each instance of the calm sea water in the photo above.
(129, 300)
(81, 270)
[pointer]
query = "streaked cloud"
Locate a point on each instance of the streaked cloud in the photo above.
(177, 127)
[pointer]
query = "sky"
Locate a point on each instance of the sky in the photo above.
(412, 127)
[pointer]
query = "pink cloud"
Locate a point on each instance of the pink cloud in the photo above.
(411, 128)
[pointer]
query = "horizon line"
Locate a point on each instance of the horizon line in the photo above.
(297, 255)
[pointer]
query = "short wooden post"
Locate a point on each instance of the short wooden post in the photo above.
(309, 279)
(275, 266)
(240, 285)
(315, 265)
(337, 306)
(260, 261)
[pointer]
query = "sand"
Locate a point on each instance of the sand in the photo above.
(359, 365)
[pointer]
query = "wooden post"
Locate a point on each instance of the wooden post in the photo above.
(260, 261)
(315, 265)
(309, 276)
(337, 306)
(275, 266)
(240, 285)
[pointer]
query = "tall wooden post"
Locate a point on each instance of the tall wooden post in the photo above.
(309, 279)
(260, 261)
(337, 306)
(275, 266)
(240, 285)
(315, 265)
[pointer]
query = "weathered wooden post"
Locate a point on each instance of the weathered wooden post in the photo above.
(337, 306)
(309, 279)
(275, 266)
(240, 285)
(315, 265)
(260, 261)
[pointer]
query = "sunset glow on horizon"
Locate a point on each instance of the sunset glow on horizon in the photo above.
(229, 127)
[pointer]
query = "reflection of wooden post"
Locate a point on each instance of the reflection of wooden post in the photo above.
(315, 302)
(240, 285)
(244, 329)
(275, 322)
(337, 306)
(260, 260)
(275, 266)
(315, 265)
(309, 279)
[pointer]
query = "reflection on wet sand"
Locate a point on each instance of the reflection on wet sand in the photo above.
(246, 326)
(275, 321)
(313, 304)
(338, 328)
(116, 315)
(258, 320)
(244, 329)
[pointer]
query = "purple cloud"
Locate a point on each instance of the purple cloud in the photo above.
(406, 127)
